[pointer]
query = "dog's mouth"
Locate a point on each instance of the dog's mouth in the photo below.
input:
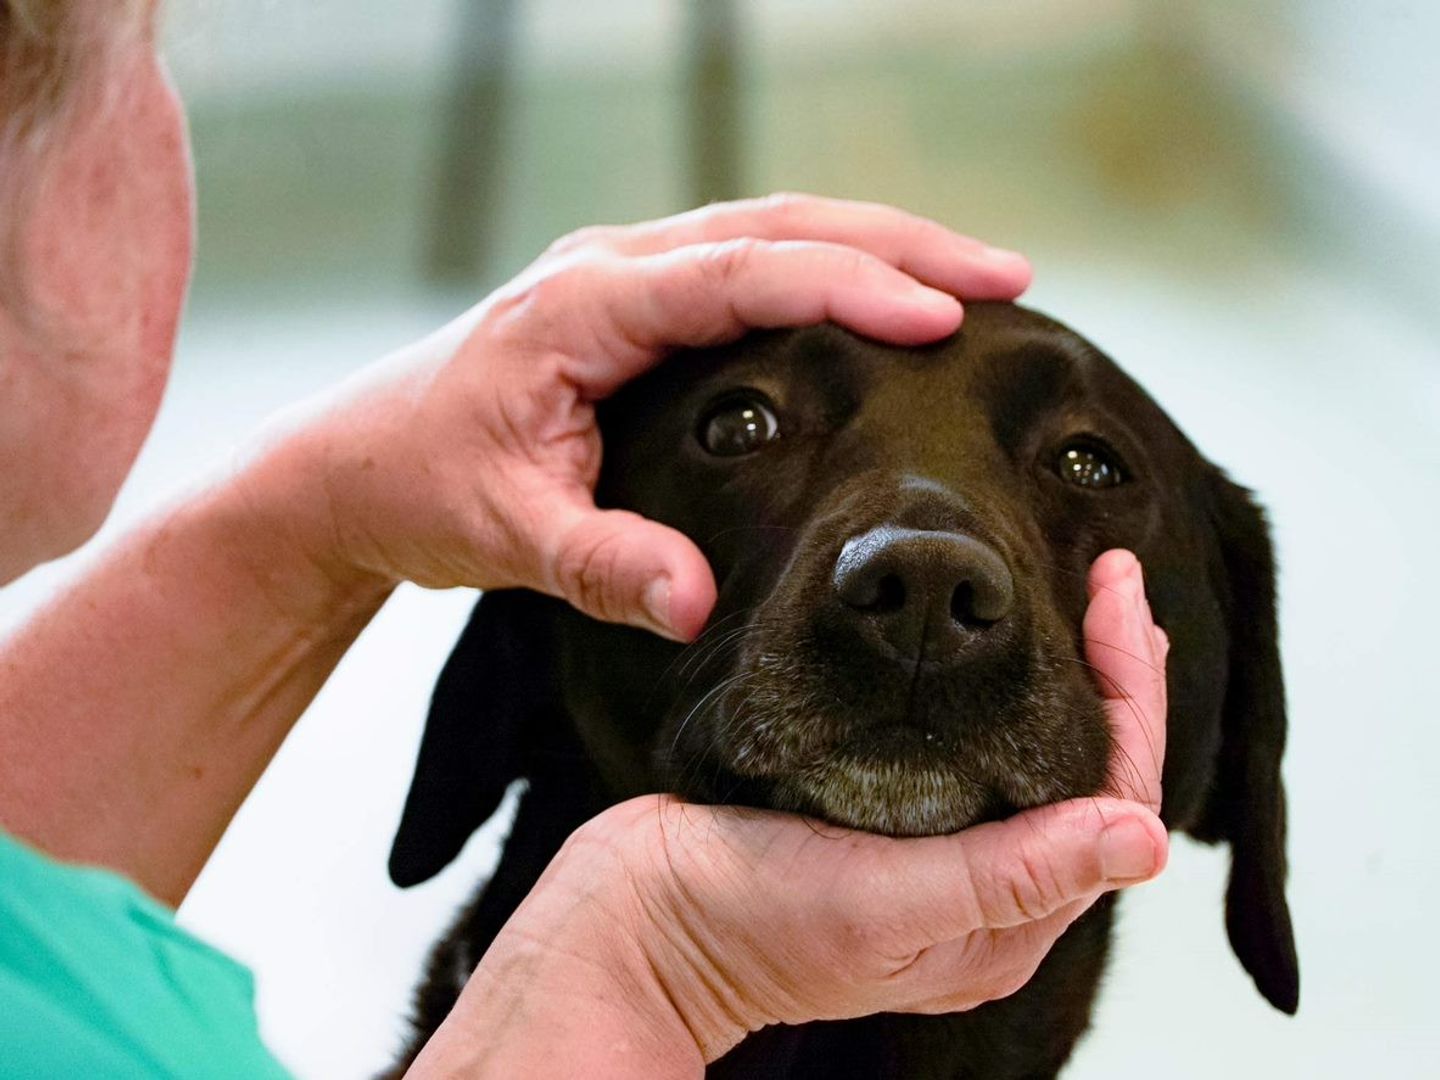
(796, 738)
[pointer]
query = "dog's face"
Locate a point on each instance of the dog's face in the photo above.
(901, 539)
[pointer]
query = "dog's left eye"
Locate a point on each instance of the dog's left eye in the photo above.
(1089, 466)
(739, 425)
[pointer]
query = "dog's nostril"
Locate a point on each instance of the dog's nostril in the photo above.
(923, 590)
(981, 601)
(879, 593)
(889, 594)
(962, 604)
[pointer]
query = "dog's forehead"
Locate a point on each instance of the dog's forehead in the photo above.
(1003, 370)
(999, 344)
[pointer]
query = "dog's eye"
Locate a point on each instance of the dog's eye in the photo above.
(1087, 465)
(739, 425)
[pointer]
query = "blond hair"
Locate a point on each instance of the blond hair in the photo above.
(50, 50)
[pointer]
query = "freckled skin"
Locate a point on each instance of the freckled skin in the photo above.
(106, 249)
(789, 701)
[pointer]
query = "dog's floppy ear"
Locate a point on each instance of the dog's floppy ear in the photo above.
(1246, 805)
(490, 698)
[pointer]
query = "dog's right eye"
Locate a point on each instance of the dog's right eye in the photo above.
(739, 424)
(1088, 465)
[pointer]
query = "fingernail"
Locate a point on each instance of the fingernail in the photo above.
(657, 606)
(1127, 853)
(1134, 579)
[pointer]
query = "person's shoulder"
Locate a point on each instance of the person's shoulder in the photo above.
(97, 979)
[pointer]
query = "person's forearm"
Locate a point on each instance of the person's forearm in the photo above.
(139, 708)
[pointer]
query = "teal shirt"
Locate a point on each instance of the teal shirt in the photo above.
(97, 980)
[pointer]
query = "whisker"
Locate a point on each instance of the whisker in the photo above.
(699, 644)
(1083, 574)
(750, 528)
(1130, 703)
(709, 695)
(698, 658)
(1126, 652)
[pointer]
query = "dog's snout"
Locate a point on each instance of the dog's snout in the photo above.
(925, 592)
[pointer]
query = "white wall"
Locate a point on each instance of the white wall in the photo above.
(1353, 93)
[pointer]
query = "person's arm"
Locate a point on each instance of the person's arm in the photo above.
(138, 709)
(662, 933)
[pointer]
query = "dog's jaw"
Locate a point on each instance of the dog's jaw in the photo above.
(895, 797)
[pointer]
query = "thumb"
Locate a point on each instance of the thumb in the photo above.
(617, 566)
(1026, 868)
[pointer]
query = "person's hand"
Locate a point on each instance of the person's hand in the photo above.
(471, 457)
(663, 933)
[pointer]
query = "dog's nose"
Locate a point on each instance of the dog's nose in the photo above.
(926, 593)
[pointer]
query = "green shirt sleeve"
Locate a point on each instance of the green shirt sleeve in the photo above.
(96, 979)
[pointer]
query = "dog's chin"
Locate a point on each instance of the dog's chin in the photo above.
(913, 792)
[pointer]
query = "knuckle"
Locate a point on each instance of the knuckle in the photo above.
(922, 228)
(786, 206)
(852, 262)
(729, 260)
(577, 271)
(581, 239)
(587, 572)
(553, 294)
(1035, 887)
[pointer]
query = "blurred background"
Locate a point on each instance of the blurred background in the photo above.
(1238, 199)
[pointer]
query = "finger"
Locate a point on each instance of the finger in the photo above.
(1129, 663)
(707, 294)
(958, 975)
(620, 567)
(922, 248)
(1009, 873)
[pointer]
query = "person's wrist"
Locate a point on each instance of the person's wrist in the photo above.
(686, 974)
(623, 943)
(571, 986)
(281, 530)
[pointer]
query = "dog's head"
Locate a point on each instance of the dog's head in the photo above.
(901, 539)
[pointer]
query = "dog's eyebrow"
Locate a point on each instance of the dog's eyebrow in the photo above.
(1026, 382)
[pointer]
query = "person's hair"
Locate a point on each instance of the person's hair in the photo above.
(50, 51)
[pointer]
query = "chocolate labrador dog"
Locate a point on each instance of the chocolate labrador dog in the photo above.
(901, 539)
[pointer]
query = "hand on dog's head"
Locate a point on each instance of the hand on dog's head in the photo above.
(900, 538)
